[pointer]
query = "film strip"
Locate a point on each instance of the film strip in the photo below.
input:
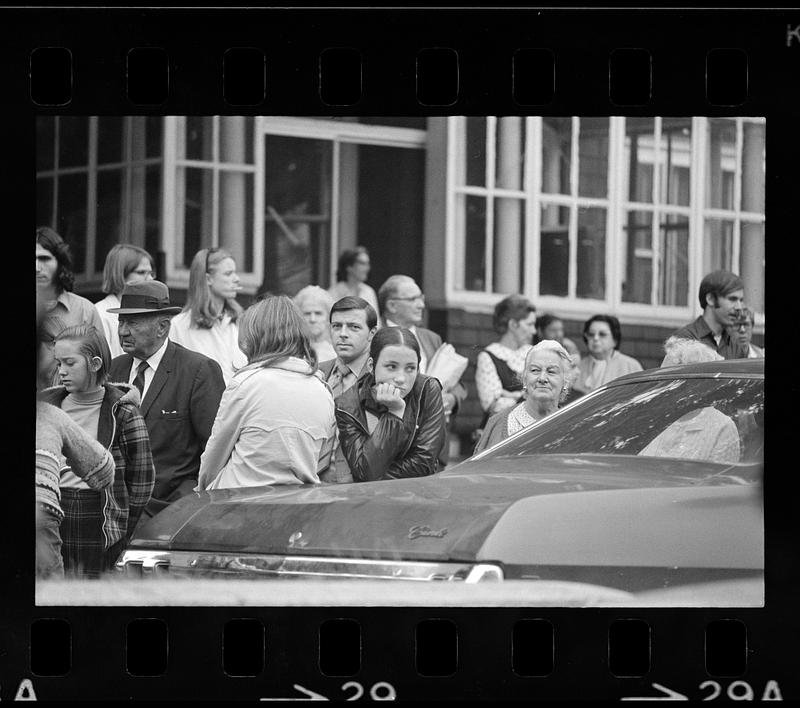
(287, 640)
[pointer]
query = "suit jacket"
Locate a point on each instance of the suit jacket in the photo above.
(179, 410)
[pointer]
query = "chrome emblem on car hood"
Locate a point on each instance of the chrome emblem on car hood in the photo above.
(420, 531)
(296, 540)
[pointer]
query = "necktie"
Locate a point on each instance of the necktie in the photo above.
(139, 380)
(338, 379)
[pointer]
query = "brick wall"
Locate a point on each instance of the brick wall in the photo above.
(470, 332)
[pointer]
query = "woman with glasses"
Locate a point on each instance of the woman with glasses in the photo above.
(125, 264)
(605, 362)
(209, 321)
(351, 277)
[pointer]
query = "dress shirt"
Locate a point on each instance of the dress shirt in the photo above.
(152, 364)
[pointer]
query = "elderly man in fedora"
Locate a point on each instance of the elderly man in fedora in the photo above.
(180, 389)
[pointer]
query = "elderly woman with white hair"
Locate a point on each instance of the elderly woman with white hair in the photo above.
(546, 378)
(315, 305)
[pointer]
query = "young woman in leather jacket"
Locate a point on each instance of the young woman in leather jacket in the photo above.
(391, 423)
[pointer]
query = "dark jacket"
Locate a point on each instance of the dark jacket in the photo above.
(728, 348)
(179, 410)
(396, 448)
(122, 430)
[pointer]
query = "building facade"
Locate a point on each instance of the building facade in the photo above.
(585, 215)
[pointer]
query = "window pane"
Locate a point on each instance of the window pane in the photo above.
(675, 157)
(509, 245)
(751, 264)
(417, 122)
(110, 229)
(556, 154)
(554, 253)
(510, 153)
(199, 138)
(73, 141)
(236, 139)
(236, 217)
(44, 201)
(297, 206)
(110, 132)
(639, 158)
(720, 163)
(638, 249)
(753, 157)
(71, 217)
(476, 151)
(154, 135)
(152, 210)
(718, 245)
(475, 244)
(593, 157)
(198, 210)
(591, 253)
(45, 142)
(674, 260)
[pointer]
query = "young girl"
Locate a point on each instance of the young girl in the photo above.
(391, 423)
(209, 321)
(97, 524)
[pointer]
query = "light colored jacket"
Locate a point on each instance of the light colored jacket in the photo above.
(274, 425)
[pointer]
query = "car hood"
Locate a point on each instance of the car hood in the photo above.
(447, 516)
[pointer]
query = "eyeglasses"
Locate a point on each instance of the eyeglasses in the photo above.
(413, 298)
(209, 251)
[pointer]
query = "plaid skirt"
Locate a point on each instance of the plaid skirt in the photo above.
(83, 541)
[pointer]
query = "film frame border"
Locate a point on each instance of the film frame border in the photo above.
(773, 62)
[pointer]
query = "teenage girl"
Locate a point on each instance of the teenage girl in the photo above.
(98, 523)
(391, 423)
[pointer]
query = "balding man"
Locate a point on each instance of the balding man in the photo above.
(402, 304)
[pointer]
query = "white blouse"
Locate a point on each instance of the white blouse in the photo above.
(487, 380)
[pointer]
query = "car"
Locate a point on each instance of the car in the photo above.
(649, 486)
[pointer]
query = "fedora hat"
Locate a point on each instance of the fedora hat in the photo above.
(144, 298)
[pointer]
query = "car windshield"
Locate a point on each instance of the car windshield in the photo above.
(714, 419)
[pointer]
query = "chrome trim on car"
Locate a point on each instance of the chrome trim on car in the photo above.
(191, 563)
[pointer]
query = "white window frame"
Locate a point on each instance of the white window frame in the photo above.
(86, 276)
(616, 205)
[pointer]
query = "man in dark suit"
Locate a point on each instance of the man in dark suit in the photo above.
(180, 389)
(402, 303)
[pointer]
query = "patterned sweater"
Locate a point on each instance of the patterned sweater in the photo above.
(56, 435)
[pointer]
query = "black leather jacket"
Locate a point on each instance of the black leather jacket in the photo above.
(410, 447)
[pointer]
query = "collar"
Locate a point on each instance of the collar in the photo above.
(154, 359)
(412, 328)
(64, 299)
(356, 367)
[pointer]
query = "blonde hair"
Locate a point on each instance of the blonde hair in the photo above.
(198, 297)
(271, 330)
(679, 350)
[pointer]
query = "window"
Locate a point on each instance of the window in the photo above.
(215, 186)
(586, 212)
(99, 181)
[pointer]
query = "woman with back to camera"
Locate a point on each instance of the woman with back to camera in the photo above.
(96, 524)
(209, 321)
(500, 364)
(275, 423)
(605, 362)
(125, 264)
(391, 423)
(545, 383)
(315, 306)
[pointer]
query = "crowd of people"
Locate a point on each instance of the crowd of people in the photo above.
(141, 402)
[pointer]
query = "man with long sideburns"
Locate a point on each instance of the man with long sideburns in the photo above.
(180, 389)
(353, 323)
(721, 296)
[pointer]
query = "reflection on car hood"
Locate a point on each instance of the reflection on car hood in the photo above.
(447, 516)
